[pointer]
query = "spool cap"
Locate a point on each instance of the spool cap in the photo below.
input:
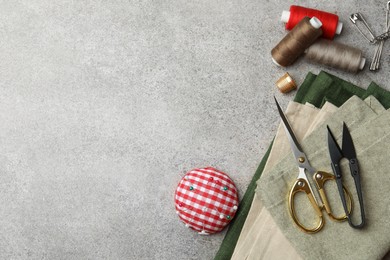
(339, 28)
(362, 63)
(286, 16)
(315, 22)
(276, 63)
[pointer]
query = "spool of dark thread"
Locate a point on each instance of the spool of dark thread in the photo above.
(304, 34)
(336, 55)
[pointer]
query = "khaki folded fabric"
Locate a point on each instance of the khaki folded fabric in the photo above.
(317, 90)
(259, 222)
(337, 240)
(260, 237)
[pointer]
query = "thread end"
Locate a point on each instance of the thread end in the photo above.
(315, 22)
(285, 16)
(339, 28)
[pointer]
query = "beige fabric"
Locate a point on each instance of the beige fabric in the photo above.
(370, 133)
(374, 104)
(327, 110)
(261, 238)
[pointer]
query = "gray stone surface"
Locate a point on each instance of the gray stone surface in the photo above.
(104, 105)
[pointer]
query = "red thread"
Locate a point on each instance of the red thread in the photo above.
(329, 20)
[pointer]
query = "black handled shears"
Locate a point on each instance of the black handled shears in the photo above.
(336, 154)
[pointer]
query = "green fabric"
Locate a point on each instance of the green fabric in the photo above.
(312, 91)
(302, 94)
(374, 104)
(379, 93)
(326, 87)
(231, 237)
(371, 136)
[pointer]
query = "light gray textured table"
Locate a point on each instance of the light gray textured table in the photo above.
(104, 105)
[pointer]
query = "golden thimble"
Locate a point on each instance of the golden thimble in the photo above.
(285, 84)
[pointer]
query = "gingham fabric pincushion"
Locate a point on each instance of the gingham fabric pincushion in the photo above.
(206, 200)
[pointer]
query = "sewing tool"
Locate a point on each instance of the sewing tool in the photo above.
(336, 154)
(302, 183)
(330, 22)
(364, 29)
(367, 33)
(375, 64)
(296, 41)
(336, 55)
(286, 83)
(206, 200)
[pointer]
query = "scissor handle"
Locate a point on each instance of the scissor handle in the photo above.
(301, 185)
(320, 178)
(353, 166)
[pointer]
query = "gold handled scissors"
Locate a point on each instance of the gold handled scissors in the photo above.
(302, 184)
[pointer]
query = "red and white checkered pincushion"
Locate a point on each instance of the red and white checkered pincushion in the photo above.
(206, 200)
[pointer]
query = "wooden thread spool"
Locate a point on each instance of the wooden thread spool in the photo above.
(296, 41)
(286, 83)
(336, 55)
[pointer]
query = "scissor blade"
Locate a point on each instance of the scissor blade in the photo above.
(334, 148)
(348, 147)
(290, 132)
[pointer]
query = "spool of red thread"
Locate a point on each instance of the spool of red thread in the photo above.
(330, 22)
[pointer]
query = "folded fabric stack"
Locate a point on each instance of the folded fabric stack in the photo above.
(263, 228)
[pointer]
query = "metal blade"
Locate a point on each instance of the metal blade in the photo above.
(288, 128)
(334, 148)
(348, 147)
(296, 148)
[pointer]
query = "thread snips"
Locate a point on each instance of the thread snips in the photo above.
(302, 185)
(336, 154)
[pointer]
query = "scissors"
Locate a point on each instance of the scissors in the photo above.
(302, 184)
(336, 154)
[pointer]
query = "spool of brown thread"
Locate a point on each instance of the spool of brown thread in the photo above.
(336, 55)
(296, 41)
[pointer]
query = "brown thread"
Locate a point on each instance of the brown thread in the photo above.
(286, 83)
(295, 42)
(336, 55)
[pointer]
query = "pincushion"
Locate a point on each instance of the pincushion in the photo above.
(206, 200)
